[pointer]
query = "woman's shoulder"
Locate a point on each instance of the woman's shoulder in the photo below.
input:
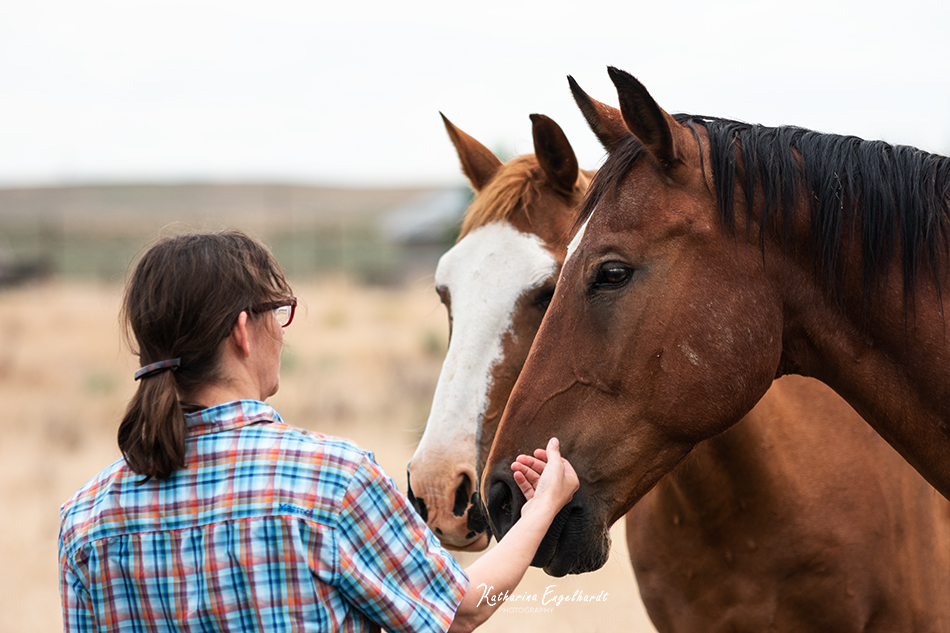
(91, 488)
(329, 450)
(78, 512)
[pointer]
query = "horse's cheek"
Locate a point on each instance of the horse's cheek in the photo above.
(745, 347)
(713, 374)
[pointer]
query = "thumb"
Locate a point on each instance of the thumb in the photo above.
(554, 453)
(567, 471)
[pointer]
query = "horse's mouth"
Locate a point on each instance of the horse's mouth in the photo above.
(478, 543)
(463, 543)
(572, 545)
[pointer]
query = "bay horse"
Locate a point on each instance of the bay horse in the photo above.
(713, 257)
(760, 527)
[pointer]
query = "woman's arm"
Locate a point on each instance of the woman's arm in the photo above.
(548, 482)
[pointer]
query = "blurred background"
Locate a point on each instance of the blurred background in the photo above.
(315, 126)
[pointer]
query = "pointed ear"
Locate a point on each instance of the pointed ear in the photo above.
(479, 164)
(606, 122)
(665, 139)
(554, 153)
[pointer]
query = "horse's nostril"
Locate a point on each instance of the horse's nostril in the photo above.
(506, 506)
(501, 506)
(418, 503)
(477, 519)
(462, 494)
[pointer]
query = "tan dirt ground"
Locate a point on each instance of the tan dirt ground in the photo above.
(360, 363)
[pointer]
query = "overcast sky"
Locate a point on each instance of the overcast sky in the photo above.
(348, 93)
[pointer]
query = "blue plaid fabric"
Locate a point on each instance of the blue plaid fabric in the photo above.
(267, 528)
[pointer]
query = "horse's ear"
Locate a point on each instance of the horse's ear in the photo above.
(660, 134)
(479, 164)
(554, 153)
(606, 122)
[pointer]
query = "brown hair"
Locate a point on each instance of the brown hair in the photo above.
(182, 301)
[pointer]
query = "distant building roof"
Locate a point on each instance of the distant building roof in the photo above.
(429, 217)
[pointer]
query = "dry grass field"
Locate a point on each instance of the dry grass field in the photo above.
(360, 362)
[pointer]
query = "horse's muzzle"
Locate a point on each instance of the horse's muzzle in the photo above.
(505, 501)
(573, 543)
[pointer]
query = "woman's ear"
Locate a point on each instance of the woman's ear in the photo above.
(239, 335)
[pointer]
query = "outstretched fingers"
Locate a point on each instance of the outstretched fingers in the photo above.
(527, 471)
(561, 481)
(527, 477)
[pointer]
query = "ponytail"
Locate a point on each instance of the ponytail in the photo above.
(152, 431)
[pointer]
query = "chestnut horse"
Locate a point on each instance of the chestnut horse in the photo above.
(673, 314)
(496, 283)
(759, 528)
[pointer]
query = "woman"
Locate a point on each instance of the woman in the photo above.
(222, 517)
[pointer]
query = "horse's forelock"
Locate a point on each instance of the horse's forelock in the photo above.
(512, 190)
(621, 159)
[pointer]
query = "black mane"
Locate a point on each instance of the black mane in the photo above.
(888, 199)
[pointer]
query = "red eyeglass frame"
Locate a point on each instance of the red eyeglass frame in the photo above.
(260, 308)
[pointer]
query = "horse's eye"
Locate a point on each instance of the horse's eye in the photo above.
(543, 299)
(612, 275)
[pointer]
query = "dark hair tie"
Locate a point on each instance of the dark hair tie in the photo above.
(154, 368)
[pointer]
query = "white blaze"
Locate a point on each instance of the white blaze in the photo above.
(577, 238)
(485, 274)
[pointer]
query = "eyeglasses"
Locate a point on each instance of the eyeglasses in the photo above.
(283, 310)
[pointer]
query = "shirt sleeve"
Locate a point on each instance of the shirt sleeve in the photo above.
(391, 566)
(77, 610)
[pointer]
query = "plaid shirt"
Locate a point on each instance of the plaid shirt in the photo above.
(267, 528)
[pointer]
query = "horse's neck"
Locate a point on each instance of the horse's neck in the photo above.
(891, 364)
(772, 462)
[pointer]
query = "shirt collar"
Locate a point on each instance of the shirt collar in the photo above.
(230, 415)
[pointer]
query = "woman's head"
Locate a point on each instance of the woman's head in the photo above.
(181, 302)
